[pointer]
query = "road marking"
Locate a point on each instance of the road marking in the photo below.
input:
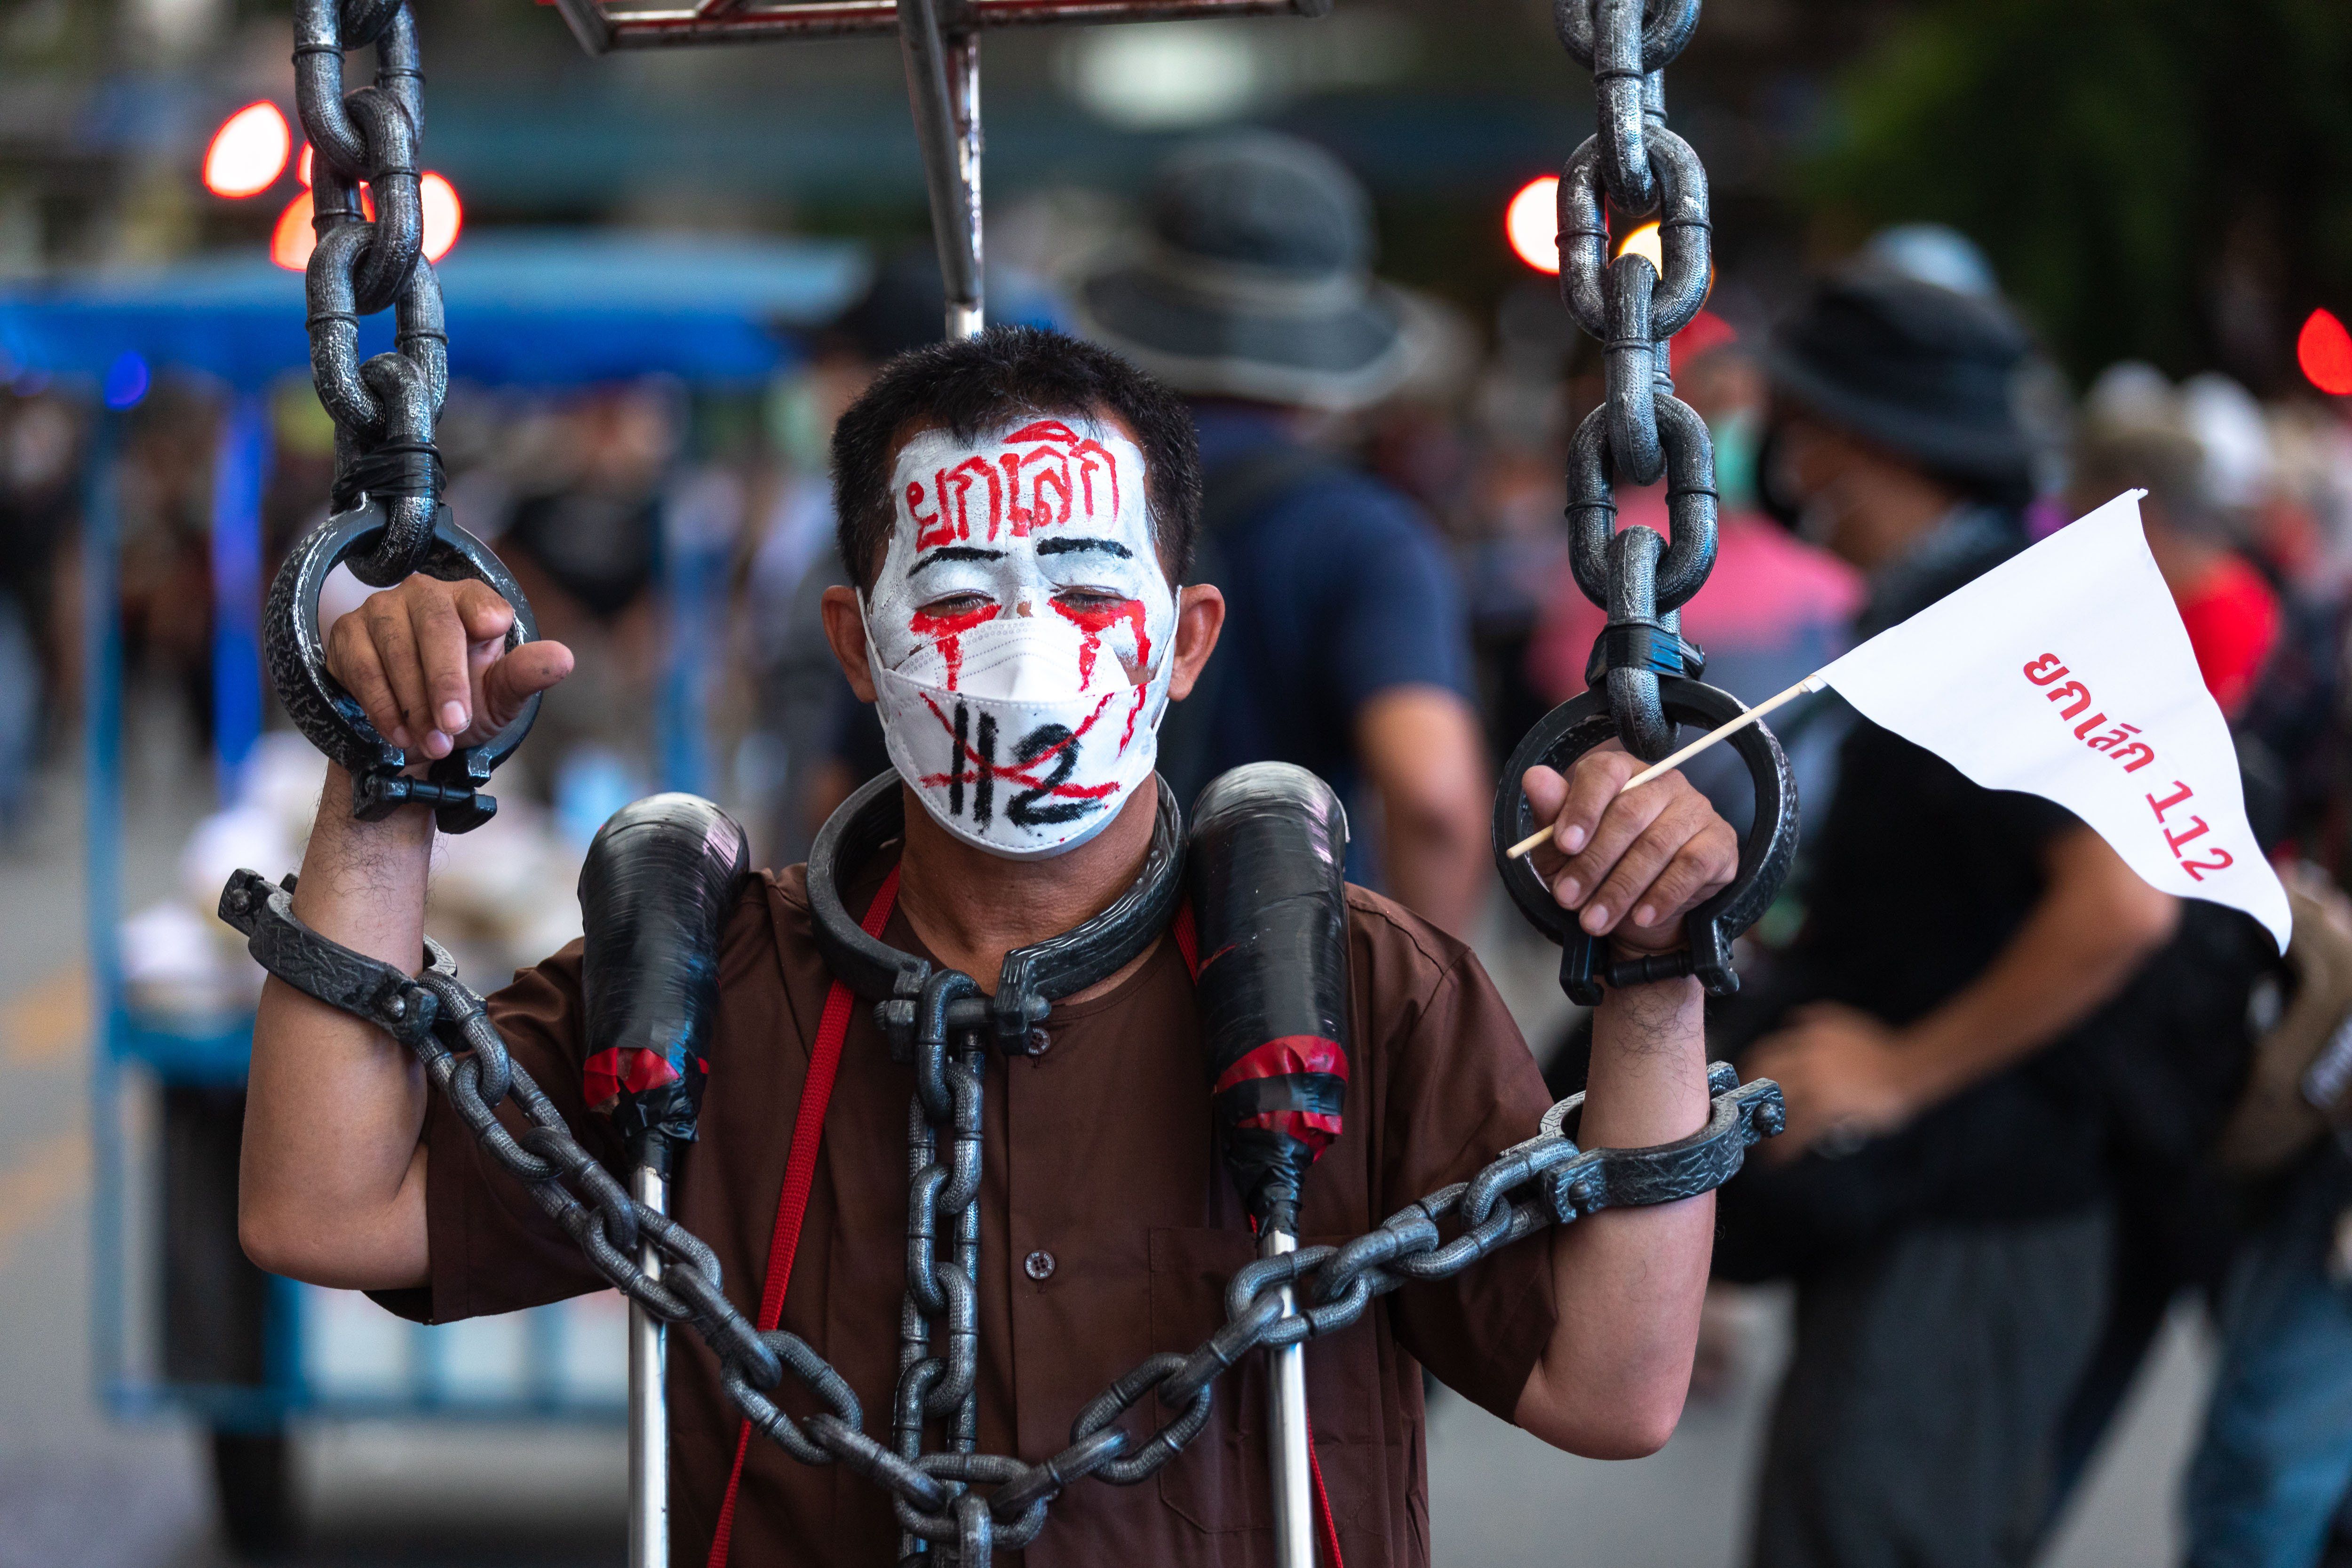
(49, 1174)
(47, 1024)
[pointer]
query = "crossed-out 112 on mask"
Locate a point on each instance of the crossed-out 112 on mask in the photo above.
(1021, 632)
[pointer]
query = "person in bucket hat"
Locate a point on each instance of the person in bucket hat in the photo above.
(1347, 645)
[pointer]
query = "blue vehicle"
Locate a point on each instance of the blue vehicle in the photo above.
(184, 1323)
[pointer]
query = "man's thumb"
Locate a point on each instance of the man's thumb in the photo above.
(514, 678)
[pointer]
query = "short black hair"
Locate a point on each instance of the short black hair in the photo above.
(967, 386)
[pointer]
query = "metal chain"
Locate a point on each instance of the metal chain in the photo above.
(942, 1295)
(1631, 167)
(384, 409)
(1545, 1181)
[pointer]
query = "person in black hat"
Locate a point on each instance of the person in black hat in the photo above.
(1938, 1196)
(1346, 646)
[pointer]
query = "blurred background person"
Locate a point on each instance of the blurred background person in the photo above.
(2267, 1485)
(583, 537)
(832, 742)
(1345, 647)
(2168, 1057)
(40, 443)
(2201, 453)
(1936, 1195)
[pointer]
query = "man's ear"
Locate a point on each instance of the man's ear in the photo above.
(844, 628)
(1200, 616)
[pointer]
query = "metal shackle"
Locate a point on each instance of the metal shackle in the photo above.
(1576, 726)
(331, 718)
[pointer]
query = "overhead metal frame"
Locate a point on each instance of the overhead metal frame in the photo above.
(940, 42)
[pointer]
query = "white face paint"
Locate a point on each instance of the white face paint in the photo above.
(1020, 632)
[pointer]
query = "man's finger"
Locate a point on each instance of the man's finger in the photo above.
(1704, 865)
(485, 614)
(351, 660)
(1625, 820)
(388, 628)
(1593, 784)
(1629, 882)
(441, 651)
(1546, 791)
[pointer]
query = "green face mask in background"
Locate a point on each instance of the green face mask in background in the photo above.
(1737, 438)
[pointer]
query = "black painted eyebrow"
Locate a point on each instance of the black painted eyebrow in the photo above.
(1058, 545)
(956, 552)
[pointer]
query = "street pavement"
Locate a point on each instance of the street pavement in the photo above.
(79, 1490)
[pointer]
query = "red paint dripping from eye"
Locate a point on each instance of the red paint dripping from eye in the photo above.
(1095, 620)
(947, 628)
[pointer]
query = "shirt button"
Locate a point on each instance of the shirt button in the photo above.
(1038, 1266)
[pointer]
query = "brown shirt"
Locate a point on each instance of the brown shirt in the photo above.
(1102, 1174)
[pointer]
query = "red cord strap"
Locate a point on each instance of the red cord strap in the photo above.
(800, 1177)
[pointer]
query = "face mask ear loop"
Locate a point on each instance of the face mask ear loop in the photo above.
(866, 628)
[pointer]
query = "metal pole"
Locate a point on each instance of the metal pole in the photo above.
(649, 1402)
(967, 316)
(102, 701)
(943, 86)
(1293, 1511)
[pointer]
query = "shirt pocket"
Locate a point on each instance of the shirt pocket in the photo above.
(1222, 1482)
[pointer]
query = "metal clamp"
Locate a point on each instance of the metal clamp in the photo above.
(1576, 726)
(332, 719)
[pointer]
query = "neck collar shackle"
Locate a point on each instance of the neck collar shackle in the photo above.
(1033, 978)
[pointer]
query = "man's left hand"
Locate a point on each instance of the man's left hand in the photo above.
(1632, 863)
(1845, 1075)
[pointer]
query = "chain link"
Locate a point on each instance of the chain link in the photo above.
(1634, 166)
(1548, 1180)
(384, 408)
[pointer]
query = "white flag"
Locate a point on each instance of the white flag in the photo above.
(2065, 671)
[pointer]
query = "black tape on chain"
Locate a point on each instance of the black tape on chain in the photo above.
(1642, 645)
(654, 892)
(1266, 870)
(394, 468)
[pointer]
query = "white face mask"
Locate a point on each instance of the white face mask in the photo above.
(1020, 633)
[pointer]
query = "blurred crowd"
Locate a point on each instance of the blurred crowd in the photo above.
(2032, 1101)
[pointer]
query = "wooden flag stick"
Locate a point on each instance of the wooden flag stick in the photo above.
(1813, 682)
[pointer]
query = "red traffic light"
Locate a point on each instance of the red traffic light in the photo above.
(2324, 350)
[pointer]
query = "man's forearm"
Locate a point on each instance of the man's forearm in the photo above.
(1435, 868)
(2074, 951)
(331, 1187)
(1628, 1282)
(1422, 753)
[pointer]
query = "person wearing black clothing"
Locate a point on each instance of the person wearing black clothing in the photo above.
(1346, 647)
(1937, 1194)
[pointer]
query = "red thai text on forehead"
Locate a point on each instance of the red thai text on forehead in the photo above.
(1040, 476)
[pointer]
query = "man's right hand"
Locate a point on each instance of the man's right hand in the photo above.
(428, 662)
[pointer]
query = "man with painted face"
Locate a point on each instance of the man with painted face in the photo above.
(1013, 510)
